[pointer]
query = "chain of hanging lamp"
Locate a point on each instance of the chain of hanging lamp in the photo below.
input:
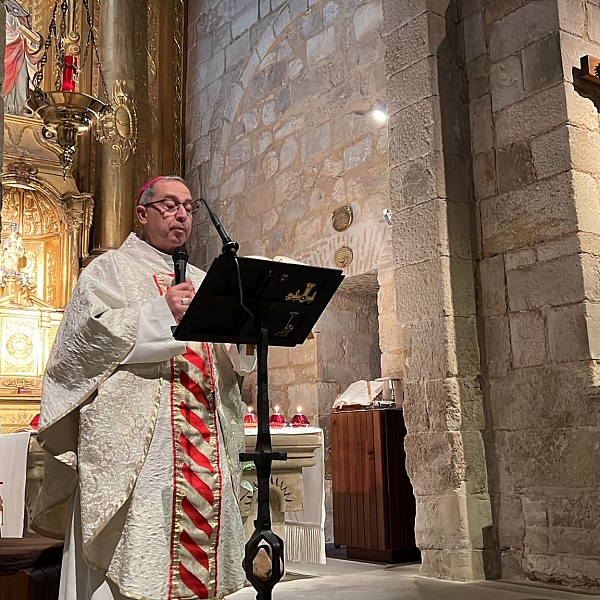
(59, 46)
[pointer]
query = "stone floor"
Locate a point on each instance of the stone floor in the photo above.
(348, 580)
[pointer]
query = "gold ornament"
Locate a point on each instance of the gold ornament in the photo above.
(343, 257)
(342, 218)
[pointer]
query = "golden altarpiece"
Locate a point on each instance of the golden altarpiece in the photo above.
(55, 221)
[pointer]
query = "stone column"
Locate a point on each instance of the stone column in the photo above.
(431, 205)
(115, 186)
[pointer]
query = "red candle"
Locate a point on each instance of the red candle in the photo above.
(250, 419)
(299, 420)
(69, 75)
(277, 419)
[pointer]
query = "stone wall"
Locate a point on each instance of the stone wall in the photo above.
(279, 135)
(535, 147)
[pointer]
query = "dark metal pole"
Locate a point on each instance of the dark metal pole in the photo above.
(263, 537)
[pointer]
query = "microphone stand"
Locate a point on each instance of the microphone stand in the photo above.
(263, 537)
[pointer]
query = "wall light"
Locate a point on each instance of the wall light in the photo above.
(379, 112)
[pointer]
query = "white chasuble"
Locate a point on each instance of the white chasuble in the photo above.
(147, 448)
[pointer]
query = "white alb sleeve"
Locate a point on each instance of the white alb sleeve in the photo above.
(242, 363)
(155, 342)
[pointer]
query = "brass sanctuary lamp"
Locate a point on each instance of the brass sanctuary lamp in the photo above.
(65, 112)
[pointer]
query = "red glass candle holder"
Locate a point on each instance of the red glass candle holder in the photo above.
(277, 420)
(250, 420)
(69, 75)
(299, 420)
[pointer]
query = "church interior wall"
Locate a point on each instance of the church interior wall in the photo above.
(534, 141)
(279, 136)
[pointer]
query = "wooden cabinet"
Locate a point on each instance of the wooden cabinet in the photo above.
(373, 501)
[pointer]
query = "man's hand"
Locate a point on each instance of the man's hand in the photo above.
(178, 299)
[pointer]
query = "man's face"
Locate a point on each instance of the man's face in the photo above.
(166, 231)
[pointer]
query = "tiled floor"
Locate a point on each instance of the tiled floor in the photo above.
(348, 580)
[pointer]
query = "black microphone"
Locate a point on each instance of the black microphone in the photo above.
(180, 261)
(229, 246)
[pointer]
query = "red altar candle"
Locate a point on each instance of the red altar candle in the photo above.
(277, 419)
(250, 419)
(299, 420)
(69, 75)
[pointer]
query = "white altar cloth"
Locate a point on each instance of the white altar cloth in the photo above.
(305, 529)
(13, 471)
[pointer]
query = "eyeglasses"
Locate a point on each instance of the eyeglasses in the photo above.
(170, 207)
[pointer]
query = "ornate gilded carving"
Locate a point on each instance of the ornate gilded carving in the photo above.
(118, 127)
(178, 38)
(303, 297)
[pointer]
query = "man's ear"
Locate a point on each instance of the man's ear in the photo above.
(140, 211)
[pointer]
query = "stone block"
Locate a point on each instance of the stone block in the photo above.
(484, 174)
(585, 147)
(425, 350)
(569, 457)
(506, 82)
(288, 152)
(266, 40)
(493, 285)
(237, 50)
(418, 181)
(531, 214)
(453, 565)
(482, 130)
(581, 111)
(330, 12)
(434, 462)
(497, 344)
(211, 69)
(567, 333)
(297, 7)
(529, 23)
(551, 153)
(528, 339)
(544, 397)
(571, 14)
(454, 404)
(412, 84)
(478, 77)
(552, 283)
(309, 25)
(320, 46)
(366, 18)
(358, 153)
(407, 45)
(475, 39)
(407, 128)
(447, 289)
(244, 20)
(531, 117)
(511, 526)
(514, 166)
(542, 65)
(430, 230)
(282, 20)
(591, 277)
(315, 141)
(517, 259)
(264, 8)
(240, 152)
(593, 23)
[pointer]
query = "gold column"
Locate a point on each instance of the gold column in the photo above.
(115, 184)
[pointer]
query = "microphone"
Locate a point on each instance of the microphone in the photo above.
(229, 247)
(180, 261)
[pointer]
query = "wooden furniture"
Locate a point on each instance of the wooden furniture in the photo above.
(29, 568)
(373, 501)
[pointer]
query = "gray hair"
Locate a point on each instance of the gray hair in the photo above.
(148, 193)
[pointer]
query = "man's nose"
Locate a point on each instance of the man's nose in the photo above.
(181, 214)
